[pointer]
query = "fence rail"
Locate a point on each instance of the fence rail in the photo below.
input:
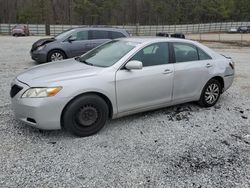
(141, 30)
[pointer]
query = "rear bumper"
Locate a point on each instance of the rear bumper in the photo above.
(228, 81)
(40, 57)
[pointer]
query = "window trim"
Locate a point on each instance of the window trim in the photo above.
(188, 44)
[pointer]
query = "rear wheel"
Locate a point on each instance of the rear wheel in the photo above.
(56, 55)
(211, 93)
(85, 115)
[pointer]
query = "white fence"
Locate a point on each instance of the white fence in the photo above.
(36, 29)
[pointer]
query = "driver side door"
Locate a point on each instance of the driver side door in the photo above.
(149, 87)
(78, 43)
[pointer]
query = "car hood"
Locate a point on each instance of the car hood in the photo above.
(42, 42)
(58, 71)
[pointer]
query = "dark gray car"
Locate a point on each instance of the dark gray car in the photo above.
(73, 42)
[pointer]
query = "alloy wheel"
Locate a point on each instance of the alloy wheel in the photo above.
(212, 93)
(56, 56)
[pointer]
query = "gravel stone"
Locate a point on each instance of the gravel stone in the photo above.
(180, 146)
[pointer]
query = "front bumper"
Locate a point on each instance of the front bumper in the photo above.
(42, 113)
(39, 56)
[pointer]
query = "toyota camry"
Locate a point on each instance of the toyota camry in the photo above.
(119, 78)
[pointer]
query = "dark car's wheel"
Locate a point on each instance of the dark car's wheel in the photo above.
(211, 93)
(85, 115)
(56, 55)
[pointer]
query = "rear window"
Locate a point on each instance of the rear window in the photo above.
(19, 27)
(203, 55)
(185, 52)
(115, 35)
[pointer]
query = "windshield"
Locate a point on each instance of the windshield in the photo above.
(64, 34)
(108, 54)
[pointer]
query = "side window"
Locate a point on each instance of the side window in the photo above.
(152, 55)
(185, 52)
(203, 55)
(115, 35)
(81, 35)
(99, 34)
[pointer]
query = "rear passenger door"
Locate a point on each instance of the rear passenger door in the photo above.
(193, 68)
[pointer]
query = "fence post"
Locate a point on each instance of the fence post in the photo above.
(137, 29)
(9, 29)
(241, 38)
(47, 28)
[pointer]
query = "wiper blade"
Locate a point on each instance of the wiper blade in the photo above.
(87, 63)
(83, 61)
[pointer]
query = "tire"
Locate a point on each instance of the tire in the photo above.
(56, 55)
(210, 94)
(85, 115)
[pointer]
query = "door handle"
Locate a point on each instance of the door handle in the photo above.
(167, 71)
(209, 65)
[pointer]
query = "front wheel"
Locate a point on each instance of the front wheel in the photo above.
(211, 93)
(85, 115)
(56, 55)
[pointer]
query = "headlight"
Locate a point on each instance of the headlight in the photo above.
(41, 92)
(41, 47)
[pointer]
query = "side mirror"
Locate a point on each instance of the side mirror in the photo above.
(72, 38)
(134, 65)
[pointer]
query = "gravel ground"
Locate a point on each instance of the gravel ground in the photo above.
(181, 146)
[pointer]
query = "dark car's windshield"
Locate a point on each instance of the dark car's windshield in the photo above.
(64, 34)
(108, 54)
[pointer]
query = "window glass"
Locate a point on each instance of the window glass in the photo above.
(96, 34)
(115, 35)
(155, 54)
(108, 54)
(185, 52)
(203, 55)
(81, 35)
(65, 34)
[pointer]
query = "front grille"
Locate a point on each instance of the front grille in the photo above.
(15, 89)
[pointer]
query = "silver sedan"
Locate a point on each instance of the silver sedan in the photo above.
(119, 78)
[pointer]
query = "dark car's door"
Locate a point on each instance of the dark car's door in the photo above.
(77, 44)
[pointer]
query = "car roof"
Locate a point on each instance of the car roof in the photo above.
(98, 28)
(154, 39)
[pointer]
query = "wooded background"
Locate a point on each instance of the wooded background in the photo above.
(122, 12)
